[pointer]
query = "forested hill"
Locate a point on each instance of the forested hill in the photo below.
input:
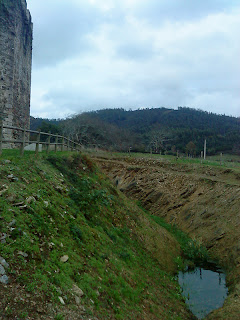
(142, 120)
(156, 130)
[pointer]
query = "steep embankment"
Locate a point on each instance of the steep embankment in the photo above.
(73, 247)
(203, 201)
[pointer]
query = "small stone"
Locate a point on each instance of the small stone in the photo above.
(46, 203)
(4, 188)
(51, 245)
(6, 161)
(30, 199)
(4, 279)
(3, 237)
(61, 300)
(25, 255)
(77, 290)
(77, 300)
(12, 178)
(64, 258)
(3, 262)
(2, 270)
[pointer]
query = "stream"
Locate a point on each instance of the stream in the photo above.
(204, 290)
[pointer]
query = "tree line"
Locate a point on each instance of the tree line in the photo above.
(158, 130)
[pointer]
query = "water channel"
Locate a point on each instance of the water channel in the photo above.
(204, 290)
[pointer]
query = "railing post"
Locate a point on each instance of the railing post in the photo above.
(68, 143)
(23, 142)
(62, 144)
(48, 142)
(37, 144)
(1, 136)
(56, 142)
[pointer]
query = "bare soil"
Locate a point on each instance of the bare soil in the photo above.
(204, 201)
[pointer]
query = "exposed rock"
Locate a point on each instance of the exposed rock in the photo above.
(25, 255)
(59, 189)
(3, 262)
(2, 270)
(18, 204)
(3, 237)
(4, 279)
(51, 245)
(30, 199)
(61, 300)
(12, 178)
(77, 290)
(64, 258)
(77, 300)
(32, 147)
(46, 203)
(6, 161)
(97, 293)
(4, 188)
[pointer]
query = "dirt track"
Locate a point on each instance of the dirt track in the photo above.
(203, 201)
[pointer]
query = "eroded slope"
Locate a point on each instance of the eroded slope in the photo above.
(203, 201)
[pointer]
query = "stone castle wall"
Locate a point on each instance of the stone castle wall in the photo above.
(15, 64)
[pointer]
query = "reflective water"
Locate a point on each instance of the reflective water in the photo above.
(204, 290)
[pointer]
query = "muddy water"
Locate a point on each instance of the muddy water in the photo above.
(204, 290)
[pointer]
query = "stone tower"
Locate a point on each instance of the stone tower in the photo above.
(15, 64)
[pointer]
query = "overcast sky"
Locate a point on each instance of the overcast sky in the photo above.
(94, 54)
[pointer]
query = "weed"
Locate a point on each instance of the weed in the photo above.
(23, 315)
(59, 317)
(192, 250)
(77, 233)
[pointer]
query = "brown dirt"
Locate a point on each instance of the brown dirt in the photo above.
(203, 201)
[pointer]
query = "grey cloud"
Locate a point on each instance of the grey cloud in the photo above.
(61, 31)
(157, 12)
(123, 66)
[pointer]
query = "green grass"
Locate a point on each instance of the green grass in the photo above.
(62, 205)
(193, 253)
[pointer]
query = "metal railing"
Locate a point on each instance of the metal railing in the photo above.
(59, 143)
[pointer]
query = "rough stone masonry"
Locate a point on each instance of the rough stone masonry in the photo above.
(15, 65)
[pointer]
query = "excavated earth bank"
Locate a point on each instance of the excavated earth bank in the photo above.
(203, 201)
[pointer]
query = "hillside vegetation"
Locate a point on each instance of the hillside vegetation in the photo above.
(73, 247)
(157, 130)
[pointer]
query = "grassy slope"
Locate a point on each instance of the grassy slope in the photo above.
(121, 259)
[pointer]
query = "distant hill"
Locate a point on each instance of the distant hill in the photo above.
(156, 130)
(36, 123)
